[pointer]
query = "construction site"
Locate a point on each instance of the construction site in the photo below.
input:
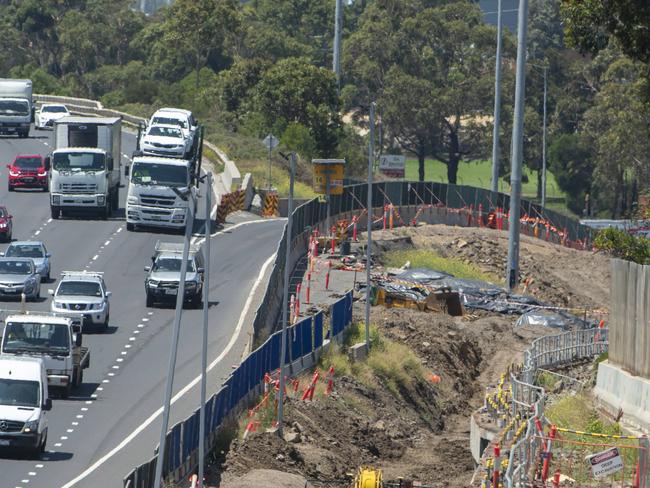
(429, 405)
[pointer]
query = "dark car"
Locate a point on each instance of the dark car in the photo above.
(28, 171)
(6, 225)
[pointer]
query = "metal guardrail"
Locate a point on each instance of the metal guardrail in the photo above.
(528, 400)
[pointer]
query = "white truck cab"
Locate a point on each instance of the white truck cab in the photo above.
(24, 401)
(155, 194)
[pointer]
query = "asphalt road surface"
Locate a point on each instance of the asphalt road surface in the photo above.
(112, 423)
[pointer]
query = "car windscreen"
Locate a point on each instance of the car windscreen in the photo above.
(165, 132)
(159, 174)
(170, 121)
(19, 393)
(55, 109)
(14, 107)
(24, 251)
(80, 288)
(33, 336)
(172, 264)
(16, 267)
(28, 163)
(78, 161)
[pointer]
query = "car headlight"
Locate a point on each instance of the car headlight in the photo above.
(132, 200)
(101, 199)
(57, 304)
(14, 173)
(30, 426)
(96, 306)
(44, 173)
(190, 284)
(153, 283)
(56, 199)
(3, 225)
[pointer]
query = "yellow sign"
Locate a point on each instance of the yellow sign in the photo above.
(335, 173)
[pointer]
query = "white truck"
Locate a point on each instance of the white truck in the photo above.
(53, 337)
(24, 402)
(159, 192)
(85, 165)
(16, 107)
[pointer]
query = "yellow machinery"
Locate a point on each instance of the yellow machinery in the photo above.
(368, 478)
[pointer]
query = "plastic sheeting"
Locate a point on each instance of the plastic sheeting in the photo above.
(557, 320)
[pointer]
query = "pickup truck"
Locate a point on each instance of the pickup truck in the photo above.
(53, 337)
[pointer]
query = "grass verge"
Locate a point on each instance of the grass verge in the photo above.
(432, 260)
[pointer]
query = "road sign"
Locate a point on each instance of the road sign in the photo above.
(334, 169)
(271, 142)
(606, 462)
(392, 165)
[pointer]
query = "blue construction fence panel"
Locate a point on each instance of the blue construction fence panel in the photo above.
(190, 434)
(318, 330)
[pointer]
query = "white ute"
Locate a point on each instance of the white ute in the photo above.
(83, 294)
(24, 401)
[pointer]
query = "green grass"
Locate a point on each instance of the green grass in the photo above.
(279, 178)
(432, 260)
(479, 174)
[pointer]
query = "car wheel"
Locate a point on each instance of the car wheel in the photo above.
(47, 276)
(106, 322)
(150, 302)
(130, 227)
(10, 187)
(41, 449)
(65, 392)
(56, 211)
(45, 188)
(79, 378)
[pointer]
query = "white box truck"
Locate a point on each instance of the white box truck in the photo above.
(24, 401)
(159, 192)
(16, 107)
(85, 165)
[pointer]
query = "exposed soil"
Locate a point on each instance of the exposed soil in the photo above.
(422, 432)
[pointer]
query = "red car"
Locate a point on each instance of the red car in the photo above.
(6, 226)
(28, 171)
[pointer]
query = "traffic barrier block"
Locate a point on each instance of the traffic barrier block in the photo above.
(271, 205)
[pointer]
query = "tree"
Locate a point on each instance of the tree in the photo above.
(571, 160)
(296, 91)
(198, 29)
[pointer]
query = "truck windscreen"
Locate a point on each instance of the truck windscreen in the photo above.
(78, 161)
(19, 393)
(13, 107)
(25, 337)
(158, 174)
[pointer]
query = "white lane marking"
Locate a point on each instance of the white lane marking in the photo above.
(89, 402)
(69, 431)
(119, 360)
(149, 313)
(145, 320)
(37, 232)
(131, 338)
(116, 367)
(49, 220)
(136, 331)
(64, 437)
(74, 423)
(106, 381)
(84, 409)
(107, 243)
(95, 257)
(123, 353)
(80, 416)
(100, 389)
(140, 326)
(240, 224)
(32, 473)
(188, 387)
(39, 465)
(24, 481)
(128, 346)
(119, 230)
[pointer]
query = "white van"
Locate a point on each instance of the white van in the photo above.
(24, 401)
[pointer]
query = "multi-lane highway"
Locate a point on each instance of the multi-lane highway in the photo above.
(113, 422)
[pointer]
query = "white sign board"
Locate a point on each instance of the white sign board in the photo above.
(271, 142)
(392, 165)
(605, 463)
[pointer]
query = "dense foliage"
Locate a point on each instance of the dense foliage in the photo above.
(249, 68)
(622, 245)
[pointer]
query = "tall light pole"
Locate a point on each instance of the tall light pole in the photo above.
(497, 105)
(285, 293)
(176, 329)
(371, 161)
(338, 27)
(204, 345)
(544, 140)
(517, 148)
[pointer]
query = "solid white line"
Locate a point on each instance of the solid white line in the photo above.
(188, 387)
(241, 224)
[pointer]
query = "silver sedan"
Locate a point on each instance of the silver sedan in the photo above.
(36, 251)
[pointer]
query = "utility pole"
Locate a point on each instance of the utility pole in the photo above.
(496, 156)
(338, 27)
(371, 161)
(204, 348)
(176, 328)
(517, 149)
(285, 293)
(544, 140)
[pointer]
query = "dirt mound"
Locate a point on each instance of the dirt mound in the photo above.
(267, 477)
(561, 276)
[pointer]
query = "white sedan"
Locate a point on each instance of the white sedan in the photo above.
(165, 140)
(48, 113)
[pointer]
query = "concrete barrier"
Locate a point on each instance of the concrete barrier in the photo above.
(248, 187)
(231, 175)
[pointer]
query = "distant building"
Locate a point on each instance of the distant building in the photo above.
(509, 7)
(150, 6)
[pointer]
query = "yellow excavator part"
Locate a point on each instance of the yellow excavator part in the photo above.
(368, 478)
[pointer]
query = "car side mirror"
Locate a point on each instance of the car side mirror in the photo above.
(126, 170)
(147, 268)
(2, 253)
(77, 338)
(48, 255)
(47, 406)
(48, 162)
(8, 166)
(50, 292)
(10, 216)
(200, 270)
(109, 293)
(110, 164)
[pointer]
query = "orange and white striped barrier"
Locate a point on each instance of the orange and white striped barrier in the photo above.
(194, 481)
(330, 381)
(308, 290)
(309, 392)
(327, 275)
